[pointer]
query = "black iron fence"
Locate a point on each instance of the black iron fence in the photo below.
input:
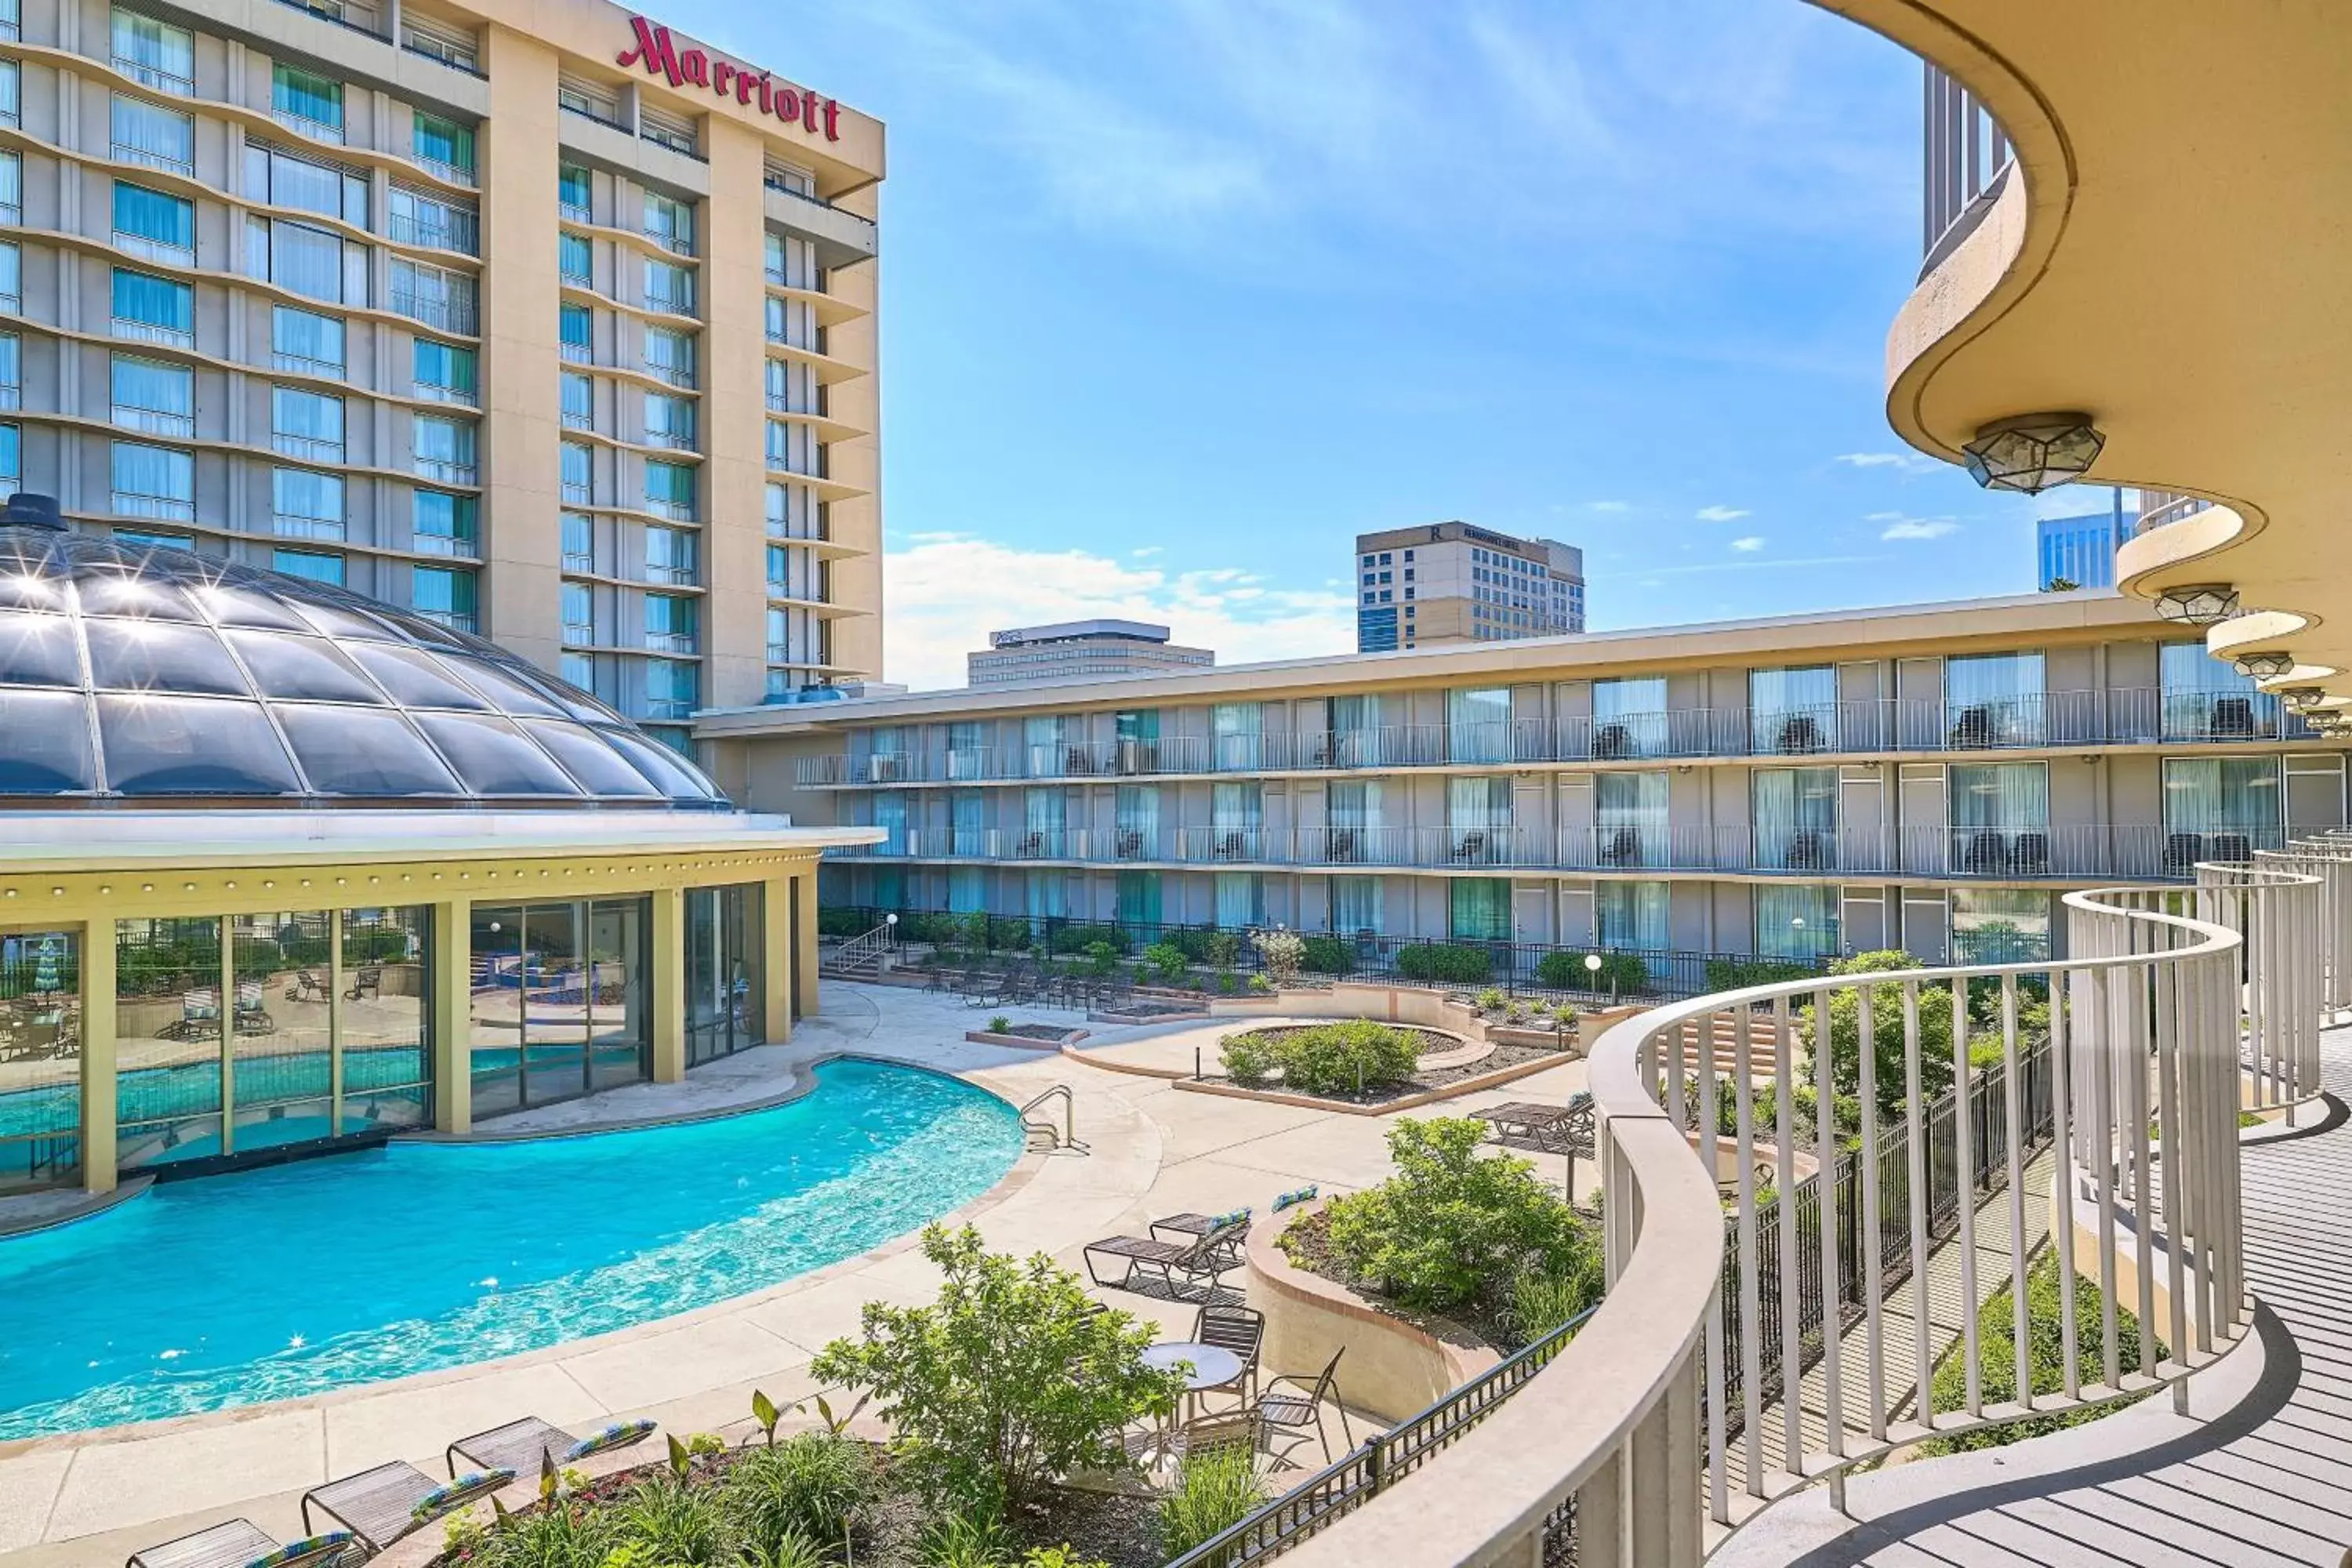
(1225, 959)
(1341, 1488)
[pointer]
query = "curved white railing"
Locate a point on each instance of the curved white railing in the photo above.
(1790, 1284)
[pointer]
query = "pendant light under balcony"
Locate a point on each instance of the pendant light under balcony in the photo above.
(2198, 603)
(2033, 451)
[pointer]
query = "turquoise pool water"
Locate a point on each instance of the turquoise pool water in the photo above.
(294, 1279)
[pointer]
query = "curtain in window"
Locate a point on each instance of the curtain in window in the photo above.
(1137, 813)
(317, 565)
(152, 133)
(298, 492)
(668, 551)
(670, 484)
(154, 471)
(1476, 804)
(12, 453)
(2223, 794)
(307, 96)
(1792, 710)
(11, 359)
(443, 141)
(1796, 921)
(1238, 729)
(1628, 716)
(1356, 905)
(443, 366)
(1994, 699)
(306, 261)
(1241, 901)
(1355, 805)
(667, 417)
(1041, 739)
(1139, 898)
(967, 810)
(667, 615)
(1047, 895)
(1235, 807)
(1356, 730)
(890, 815)
(669, 218)
(669, 288)
(311, 415)
(154, 387)
(571, 185)
(575, 324)
(671, 353)
(12, 276)
(1796, 815)
(1629, 816)
(440, 440)
(2204, 698)
(2006, 795)
(156, 46)
(439, 515)
(1478, 725)
(1631, 916)
(1045, 810)
(438, 590)
(155, 301)
(572, 256)
(290, 181)
(1480, 909)
(304, 334)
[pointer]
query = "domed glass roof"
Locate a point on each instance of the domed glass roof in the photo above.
(155, 674)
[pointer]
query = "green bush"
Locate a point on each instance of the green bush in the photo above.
(1228, 982)
(1083, 939)
(1012, 1378)
(1249, 1058)
(1215, 1490)
(1447, 964)
(1223, 949)
(1193, 940)
(1542, 1302)
(1102, 960)
(2045, 1354)
(843, 922)
(1886, 1033)
(1490, 1000)
(1327, 1059)
(672, 1521)
(1454, 1228)
(1621, 972)
(1738, 974)
(810, 1485)
(1327, 956)
(1168, 964)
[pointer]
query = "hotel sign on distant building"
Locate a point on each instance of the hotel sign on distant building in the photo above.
(661, 56)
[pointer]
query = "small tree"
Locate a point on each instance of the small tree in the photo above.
(1010, 1380)
(1280, 954)
(1886, 1033)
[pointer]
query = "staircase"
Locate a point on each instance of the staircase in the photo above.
(1733, 1055)
(861, 957)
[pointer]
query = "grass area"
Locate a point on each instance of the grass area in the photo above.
(1997, 1343)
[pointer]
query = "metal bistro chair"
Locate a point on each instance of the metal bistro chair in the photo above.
(1299, 1406)
(1241, 1330)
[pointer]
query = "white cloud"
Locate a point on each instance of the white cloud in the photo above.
(1720, 513)
(947, 593)
(1751, 543)
(1147, 551)
(1920, 528)
(1608, 506)
(1904, 462)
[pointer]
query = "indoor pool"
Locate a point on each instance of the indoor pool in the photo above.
(293, 1280)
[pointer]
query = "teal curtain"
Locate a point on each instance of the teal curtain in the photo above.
(154, 301)
(2006, 795)
(307, 96)
(1480, 909)
(153, 216)
(1139, 898)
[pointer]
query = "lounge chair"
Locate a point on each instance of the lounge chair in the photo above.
(306, 986)
(241, 1544)
(379, 1506)
(519, 1446)
(1201, 1263)
(1301, 1405)
(368, 982)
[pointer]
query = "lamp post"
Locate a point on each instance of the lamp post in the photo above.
(1592, 967)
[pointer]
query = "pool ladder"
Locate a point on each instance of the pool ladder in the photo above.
(1059, 1135)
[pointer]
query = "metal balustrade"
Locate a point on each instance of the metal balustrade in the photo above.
(1705, 1388)
(2134, 716)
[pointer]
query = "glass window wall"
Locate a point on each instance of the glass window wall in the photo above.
(559, 1001)
(1796, 819)
(1994, 699)
(1793, 710)
(40, 1058)
(725, 986)
(1629, 717)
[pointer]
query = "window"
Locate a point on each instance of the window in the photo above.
(1480, 909)
(668, 287)
(11, 90)
(443, 595)
(579, 605)
(1631, 916)
(433, 295)
(669, 420)
(443, 146)
(12, 278)
(780, 316)
(149, 133)
(1241, 899)
(783, 450)
(780, 574)
(1797, 921)
(308, 102)
(1999, 925)
(156, 308)
(2227, 806)
(142, 539)
(444, 370)
(12, 454)
(779, 639)
(437, 41)
(669, 623)
(670, 556)
(444, 447)
(318, 565)
(673, 690)
(1993, 699)
(578, 399)
(306, 504)
(572, 188)
(670, 221)
(1478, 724)
(1237, 733)
(1795, 816)
(153, 397)
(669, 354)
(576, 466)
(576, 95)
(574, 258)
(2000, 818)
(419, 217)
(579, 670)
(154, 54)
(2205, 699)
(663, 130)
(1629, 820)
(152, 224)
(578, 535)
(306, 424)
(12, 371)
(305, 260)
(441, 523)
(575, 327)
(284, 178)
(1793, 710)
(671, 490)
(153, 481)
(305, 341)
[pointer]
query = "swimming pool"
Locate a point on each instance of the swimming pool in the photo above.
(294, 1279)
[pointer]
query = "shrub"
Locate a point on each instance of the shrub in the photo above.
(1542, 1302)
(1620, 973)
(1454, 1228)
(1260, 985)
(1326, 955)
(1443, 961)
(1279, 954)
(1193, 940)
(1102, 960)
(1738, 974)
(674, 1520)
(1333, 1059)
(1058, 1557)
(1083, 939)
(2045, 1355)
(842, 922)
(1012, 1378)
(999, 1023)
(1228, 982)
(807, 1485)
(566, 1533)
(1490, 1000)
(1168, 962)
(1215, 1490)
(1223, 949)
(1886, 1033)
(965, 1541)
(1249, 1058)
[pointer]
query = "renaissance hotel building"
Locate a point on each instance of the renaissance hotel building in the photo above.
(440, 402)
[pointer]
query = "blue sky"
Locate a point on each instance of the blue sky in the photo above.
(1180, 294)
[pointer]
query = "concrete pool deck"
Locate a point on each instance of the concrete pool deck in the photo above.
(79, 1501)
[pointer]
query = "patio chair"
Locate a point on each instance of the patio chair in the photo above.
(1241, 1330)
(306, 986)
(1201, 1263)
(241, 1544)
(382, 1505)
(519, 1446)
(252, 1017)
(1301, 1405)
(367, 981)
(199, 1017)
(1239, 1429)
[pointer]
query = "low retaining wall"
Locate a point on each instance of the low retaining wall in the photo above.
(1392, 1369)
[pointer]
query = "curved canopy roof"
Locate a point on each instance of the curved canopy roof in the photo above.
(154, 674)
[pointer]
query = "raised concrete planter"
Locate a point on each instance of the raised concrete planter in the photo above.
(1024, 1042)
(1392, 1369)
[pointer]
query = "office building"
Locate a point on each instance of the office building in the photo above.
(1073, 650)
(1930, 777)
(2080, 550)
(1451, 582)
(551, 325)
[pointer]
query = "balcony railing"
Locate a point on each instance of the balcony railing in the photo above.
(307, 448)
(447, 470)
(169, 509)
(156, 77)
(171, 160)
(436, 310)
(457, 231)
(286, 526)
(154, 421)
(148, 333)
(2058, 720)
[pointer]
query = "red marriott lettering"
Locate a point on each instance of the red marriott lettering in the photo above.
(793, 105)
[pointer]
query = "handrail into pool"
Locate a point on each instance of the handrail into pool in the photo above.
(2145, 1075)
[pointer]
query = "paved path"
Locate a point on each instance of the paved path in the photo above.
(2258, 1476)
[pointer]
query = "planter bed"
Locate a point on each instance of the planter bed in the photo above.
(1502, 1065)
(1149, 1010)
(1473, 1341)
(1029, 1037)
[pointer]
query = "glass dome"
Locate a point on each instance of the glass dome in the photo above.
(158, 675)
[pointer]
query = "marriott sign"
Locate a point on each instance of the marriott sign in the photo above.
(692, 68)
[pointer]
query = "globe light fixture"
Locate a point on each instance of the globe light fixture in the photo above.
(2198, 603)
(2302, 698)
(2330, 721)
(2263, 666)
(2033, 451)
